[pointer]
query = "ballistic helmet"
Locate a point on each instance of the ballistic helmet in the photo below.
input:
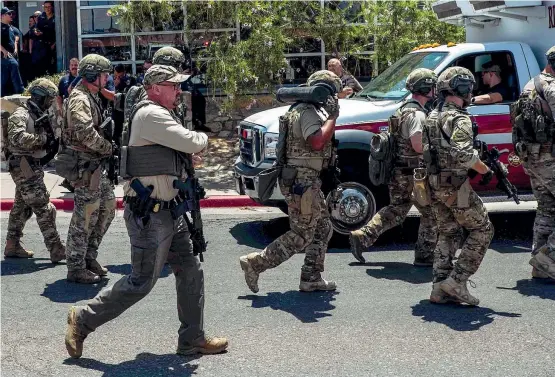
(421, 81)
(169, 56)
(457, 81)
(93, 65)
(325, 78)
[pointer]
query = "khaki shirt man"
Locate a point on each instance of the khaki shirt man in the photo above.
(157, 237)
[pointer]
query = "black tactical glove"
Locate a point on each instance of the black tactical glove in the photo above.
(332, 106)
(486, 178)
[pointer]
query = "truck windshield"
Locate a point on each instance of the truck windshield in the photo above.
(390, 84)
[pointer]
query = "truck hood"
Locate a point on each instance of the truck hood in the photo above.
(352, 111)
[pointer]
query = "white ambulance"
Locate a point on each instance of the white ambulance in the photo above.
(513, 34)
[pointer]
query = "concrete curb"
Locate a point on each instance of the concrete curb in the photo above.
(218, 201)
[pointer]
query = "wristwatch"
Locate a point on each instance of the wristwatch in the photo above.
(473, 100)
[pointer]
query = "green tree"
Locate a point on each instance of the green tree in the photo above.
(256, 61)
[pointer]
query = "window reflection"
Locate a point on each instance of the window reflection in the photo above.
(113, 48)
(97, 21)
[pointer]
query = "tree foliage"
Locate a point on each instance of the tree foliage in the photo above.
(255, 60)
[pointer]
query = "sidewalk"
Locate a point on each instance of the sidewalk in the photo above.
(218, 195)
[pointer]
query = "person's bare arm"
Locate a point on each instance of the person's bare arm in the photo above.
(108, 94)
(319, 139)
(60, 102)
(416, 142)
(16, 50)
(486, 99)
(5, 52)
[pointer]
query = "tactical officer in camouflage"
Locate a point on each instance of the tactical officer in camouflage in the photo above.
(310, 129)
(88, 149)
(406, 128)
(534, 138)
(165, 56)
(30, 139)
(449, 154)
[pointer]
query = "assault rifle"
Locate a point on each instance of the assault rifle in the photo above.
(491, 159)
(107, 128)
(194, 193)
(43, 123)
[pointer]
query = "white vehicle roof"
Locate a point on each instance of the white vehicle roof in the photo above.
(529, 22)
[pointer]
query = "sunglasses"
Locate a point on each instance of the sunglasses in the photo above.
(176, 86)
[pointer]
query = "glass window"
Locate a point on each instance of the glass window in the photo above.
(97, 21)
(299, 69)
(113, 48)
(360, 66)
(390, 84)
(147, 45)
(101, 2)
(303, 45)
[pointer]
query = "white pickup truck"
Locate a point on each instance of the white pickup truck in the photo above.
(513, 34)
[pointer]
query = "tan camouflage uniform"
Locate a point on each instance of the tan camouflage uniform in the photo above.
(95, 202)
(411, 115)
(540, 166)
(309, 217)
(456, 204)
(31, 194)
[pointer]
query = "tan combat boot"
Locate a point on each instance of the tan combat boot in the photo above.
(83, 276)
(14, 249)
(543, 262)
(74, 337)
(537, 274)
(458, 290)
(207, 346)
(58, 253)
(357, 247)
(94, 266)
(320, 285)
(439, 297)
(251, 276)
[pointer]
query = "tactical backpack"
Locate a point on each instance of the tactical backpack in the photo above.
(268, 178)
(531, 123)
(382, 154)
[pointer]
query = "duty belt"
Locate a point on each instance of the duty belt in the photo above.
(155, 204)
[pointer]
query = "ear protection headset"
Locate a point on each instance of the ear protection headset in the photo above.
(462, 85)
(424, 86)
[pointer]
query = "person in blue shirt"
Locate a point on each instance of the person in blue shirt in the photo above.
(146, 65)
(66, 81)
(10, 66)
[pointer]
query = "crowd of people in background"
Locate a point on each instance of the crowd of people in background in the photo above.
(30, 55)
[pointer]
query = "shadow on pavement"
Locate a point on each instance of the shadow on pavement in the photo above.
(258, 234)
(307, 307)
(542, 288)
(125, 269)
(145, 364)
(458, 317)
(400, 271)
(68, 292)
(21, 266)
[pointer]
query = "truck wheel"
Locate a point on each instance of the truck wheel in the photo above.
(351, 206)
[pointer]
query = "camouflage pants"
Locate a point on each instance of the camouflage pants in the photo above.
(542, 178)
(310, 232)
(475, 220)
(31, 196)
(92, 215)
(394, 214)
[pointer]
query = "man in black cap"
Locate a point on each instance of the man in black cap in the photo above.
(10, 66)
(496, 91)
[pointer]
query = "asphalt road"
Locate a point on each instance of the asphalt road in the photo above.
(378, 323)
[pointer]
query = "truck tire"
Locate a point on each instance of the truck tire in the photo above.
(358, 200)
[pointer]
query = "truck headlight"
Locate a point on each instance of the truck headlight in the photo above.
(270, 145)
